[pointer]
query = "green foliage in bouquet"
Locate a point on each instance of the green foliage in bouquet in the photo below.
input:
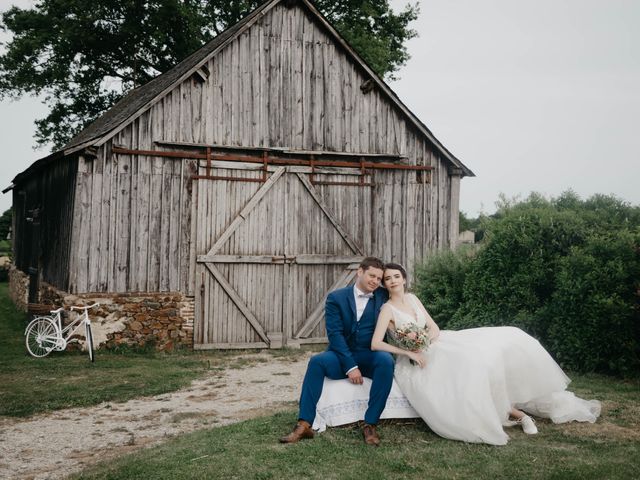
(565, 270)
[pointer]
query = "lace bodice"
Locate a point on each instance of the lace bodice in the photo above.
(400, 318)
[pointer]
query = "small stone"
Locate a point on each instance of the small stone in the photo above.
(135, 325)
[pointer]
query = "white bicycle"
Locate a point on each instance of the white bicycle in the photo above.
(46, 333)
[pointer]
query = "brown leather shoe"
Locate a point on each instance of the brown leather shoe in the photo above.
(301, 431)
(370, 435)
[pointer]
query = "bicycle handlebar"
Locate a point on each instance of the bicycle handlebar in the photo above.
(53, 312)
(85, 308)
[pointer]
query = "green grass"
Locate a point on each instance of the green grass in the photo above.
(249, 450)
(67, 379)
(608, 449)
(5, 248)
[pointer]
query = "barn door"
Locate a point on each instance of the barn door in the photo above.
(268, 254)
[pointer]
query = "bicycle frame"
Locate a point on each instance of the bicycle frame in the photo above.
(65, 332)
(68, 331)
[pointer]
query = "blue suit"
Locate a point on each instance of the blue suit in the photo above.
(349, 346)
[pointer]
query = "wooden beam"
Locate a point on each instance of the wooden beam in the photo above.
(352, 261)
(246, 210)
(355, 248)
(321, 259)
(315, 153)
(312, 320)
(266, 259)
(238, 301)
(273, 160)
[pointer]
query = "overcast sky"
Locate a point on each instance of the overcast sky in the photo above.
(532, 95)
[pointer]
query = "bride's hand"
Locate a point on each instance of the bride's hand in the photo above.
(418, 358)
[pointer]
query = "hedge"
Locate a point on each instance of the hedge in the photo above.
(565, 270)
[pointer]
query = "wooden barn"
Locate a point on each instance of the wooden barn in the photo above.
(218, 204)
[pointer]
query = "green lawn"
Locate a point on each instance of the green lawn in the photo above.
(250, 450)
(609, 449)
(67, 379)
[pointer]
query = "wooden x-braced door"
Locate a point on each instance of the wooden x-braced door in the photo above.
(268, 254)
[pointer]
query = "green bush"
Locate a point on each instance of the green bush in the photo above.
(565, 270)
(595, 311)
(439, 283)
(512, 276)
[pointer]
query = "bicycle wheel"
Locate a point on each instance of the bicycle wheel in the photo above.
(89, 340)
(41, 337)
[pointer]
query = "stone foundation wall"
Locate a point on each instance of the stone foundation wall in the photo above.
(141, 319)
(19, 288)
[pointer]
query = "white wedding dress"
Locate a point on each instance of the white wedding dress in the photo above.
(473, 378)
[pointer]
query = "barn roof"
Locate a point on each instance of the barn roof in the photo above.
(127, 107)
(140, 99)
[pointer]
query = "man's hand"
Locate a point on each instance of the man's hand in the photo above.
(355, 376)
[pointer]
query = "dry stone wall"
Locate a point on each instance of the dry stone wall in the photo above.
(162, 320)
(18, 288)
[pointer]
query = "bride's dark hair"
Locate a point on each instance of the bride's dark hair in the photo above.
(395, 266)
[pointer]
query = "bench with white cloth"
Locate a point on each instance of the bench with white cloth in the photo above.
(342, 402)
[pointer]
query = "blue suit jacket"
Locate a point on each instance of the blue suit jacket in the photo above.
(341, 320)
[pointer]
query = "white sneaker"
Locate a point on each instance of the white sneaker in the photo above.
(528, 425)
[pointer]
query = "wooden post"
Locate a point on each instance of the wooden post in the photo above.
(454, 222)
(35, 260)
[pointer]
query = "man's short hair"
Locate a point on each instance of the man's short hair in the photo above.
(371, 262)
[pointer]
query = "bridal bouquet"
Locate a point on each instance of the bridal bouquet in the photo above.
(412, 337)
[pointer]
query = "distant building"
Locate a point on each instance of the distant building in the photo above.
(466, 237)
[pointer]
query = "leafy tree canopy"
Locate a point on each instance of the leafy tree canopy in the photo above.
(5, 224)
(83, 55)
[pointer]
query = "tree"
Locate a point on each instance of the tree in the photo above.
(5, 224)
(84, 55)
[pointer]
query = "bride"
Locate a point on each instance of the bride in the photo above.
(468, 384)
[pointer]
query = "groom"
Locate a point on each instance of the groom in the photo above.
(350, 314)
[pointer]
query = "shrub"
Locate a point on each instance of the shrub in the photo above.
(439, 283)
(566, 271)
(513, 274)
(595, 311)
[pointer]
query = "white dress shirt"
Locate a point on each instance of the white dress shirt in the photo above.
(361, 299)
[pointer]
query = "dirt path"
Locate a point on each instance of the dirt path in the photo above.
(54, 445)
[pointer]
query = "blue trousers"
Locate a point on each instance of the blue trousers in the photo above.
(378, 366)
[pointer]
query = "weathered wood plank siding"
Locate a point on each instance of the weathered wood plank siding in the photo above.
(281, 83)
(133, 223)
(52, 190)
